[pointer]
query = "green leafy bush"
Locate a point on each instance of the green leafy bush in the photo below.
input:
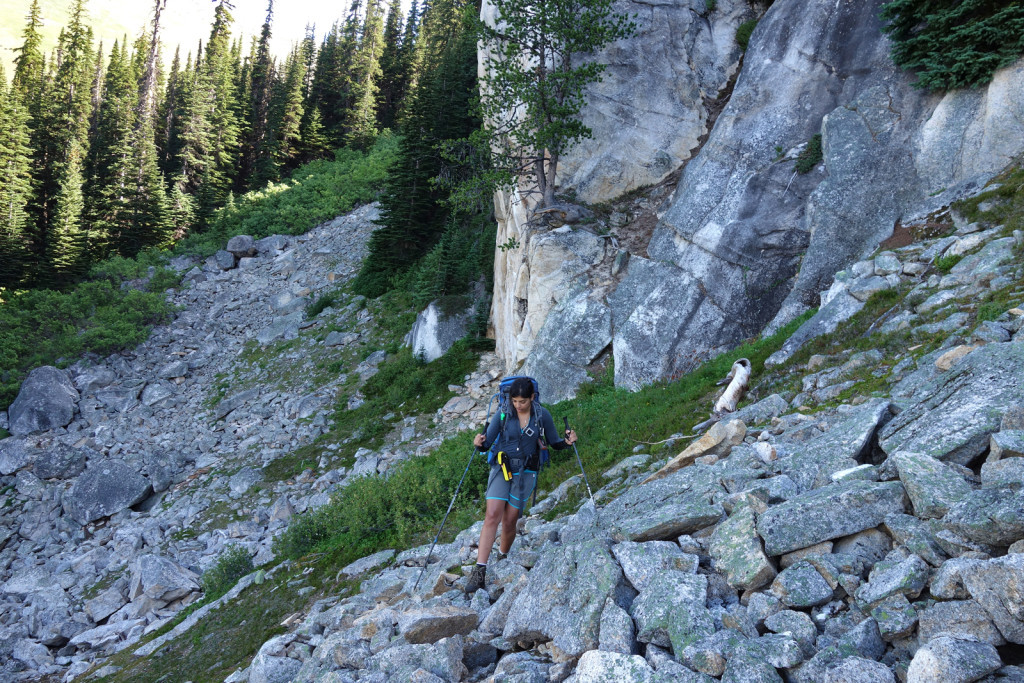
(954, 43)
(811, 156)
(944, 264)
(45, 327)
(315, 193)
(230, 567)
(743, 32)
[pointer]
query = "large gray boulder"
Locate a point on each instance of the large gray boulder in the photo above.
(827, 513)
(105, 488)
(952, 659)
(14, 455)
(680, 503)
(161, 579)
(955, 413)
(843, 446)
(993, 516)
(671, 611)
(932, 485)
(564, 597)
(736, 550)
(436, 329)
(998, 586)
(46, 401)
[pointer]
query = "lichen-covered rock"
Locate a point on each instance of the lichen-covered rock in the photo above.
(955, 413)
(736, 550)
(932, 486)
(998, 586)
(801, 586)
(564, 597)
(951, 659)
(1006, 444)
(443, 658)
(672, 611)
(994, 516)
(680, 503)
(915, 536)
(859, 670)
(618, 633)
(641, 562)
(598, 666)
(161, 578)
(797, 624)
(827, 513)
(895, 616)
(963, 619)
(812, 464)
(907, 577)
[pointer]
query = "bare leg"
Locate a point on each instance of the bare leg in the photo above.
(496, 509)
(508, 528)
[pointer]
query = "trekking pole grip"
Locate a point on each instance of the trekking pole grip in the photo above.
(567, 430)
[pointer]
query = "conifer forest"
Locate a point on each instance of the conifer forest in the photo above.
(112, 150)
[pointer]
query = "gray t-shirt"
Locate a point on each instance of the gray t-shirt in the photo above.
(523, 442)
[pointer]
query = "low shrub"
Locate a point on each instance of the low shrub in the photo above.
(222, 576)
(811, 156)
(743, 32)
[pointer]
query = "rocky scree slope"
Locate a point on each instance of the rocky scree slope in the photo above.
(860, 519)
(128, 476)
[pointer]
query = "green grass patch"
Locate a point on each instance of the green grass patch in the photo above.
(743, 33)
(1004, 204)
(811, 156)
(944, 264)
(293, 464)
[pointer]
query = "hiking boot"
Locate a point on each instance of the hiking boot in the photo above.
(501, 555)
(476, 579)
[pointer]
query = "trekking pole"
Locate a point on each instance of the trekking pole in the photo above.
(582, 471)
(450, 506)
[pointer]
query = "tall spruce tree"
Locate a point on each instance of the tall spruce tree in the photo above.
(392, 83)
(258, 164)
(287, 113)
(361, 124)
(15, 184)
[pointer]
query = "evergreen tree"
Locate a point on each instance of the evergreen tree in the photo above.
(258, 164)
(15, 184)
(29, 65)
(392, 82)
(954, 43)
(361, 124)
(413, 210)
(167, 115)
(58, 240)
(288, 113)
(534, 80)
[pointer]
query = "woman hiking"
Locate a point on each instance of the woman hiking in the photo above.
(513, 479)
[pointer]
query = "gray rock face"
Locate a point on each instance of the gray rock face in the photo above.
(46, 400)
(62, 462)
(736, 550)
(576, 332)
(564, 597)
(906, 577)
(932, 486)
(827, 513)
(241, 245)
(956, 412)
(597, 666)
(963, 619)
(671, 612)
(432, 624)
(641, 562)
(801, 586)
(13, 455)
(680, 503)
(651, 106)
(859, 670)
(435, 330)
(994, 516)
(106, 487)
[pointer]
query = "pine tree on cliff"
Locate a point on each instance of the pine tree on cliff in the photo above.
(532, 91)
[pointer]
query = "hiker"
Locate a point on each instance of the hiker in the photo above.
(513, 479)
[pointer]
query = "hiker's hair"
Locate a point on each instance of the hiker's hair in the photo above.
(521, 388)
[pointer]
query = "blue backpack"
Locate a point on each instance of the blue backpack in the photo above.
(505, 409)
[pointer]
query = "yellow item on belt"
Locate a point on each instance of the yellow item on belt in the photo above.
(504, 467)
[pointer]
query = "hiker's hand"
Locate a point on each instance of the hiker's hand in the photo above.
(570, 437)
(478, 440)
